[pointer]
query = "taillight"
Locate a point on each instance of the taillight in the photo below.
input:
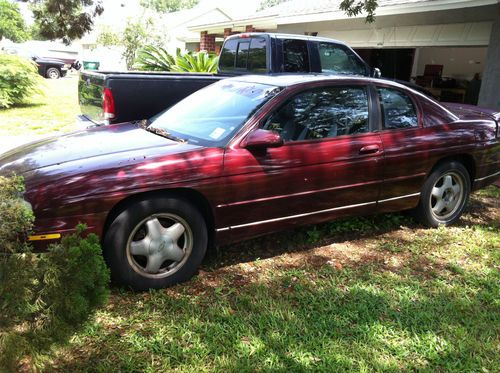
(108, 104)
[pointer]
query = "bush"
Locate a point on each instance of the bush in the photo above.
(44, 298)
(152, 58)
(196, 62)
(19, 80)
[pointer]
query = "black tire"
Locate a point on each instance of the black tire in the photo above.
(131, 231)
(452, 183)
(53, 73)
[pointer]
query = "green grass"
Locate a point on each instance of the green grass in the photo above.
(54, 111)
(365, 294)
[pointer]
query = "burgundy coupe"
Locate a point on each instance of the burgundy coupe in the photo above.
(253, 155)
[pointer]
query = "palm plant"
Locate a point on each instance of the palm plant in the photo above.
(153, 58)
(196, 62)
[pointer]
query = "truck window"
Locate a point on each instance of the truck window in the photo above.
(339, 60)
(295, 56)
(244, 54)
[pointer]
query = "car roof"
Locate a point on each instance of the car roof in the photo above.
(288, 80)
(287, 36)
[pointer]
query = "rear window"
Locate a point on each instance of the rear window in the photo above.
(248, 54)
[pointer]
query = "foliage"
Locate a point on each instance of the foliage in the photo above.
(152, 58)
(55, 111)
(12, 24)
(264, 4)
(65, 19)
(44, 298)
(355, 7)
(196, 62)
(168, 6)
(19, 80)
(107, 37)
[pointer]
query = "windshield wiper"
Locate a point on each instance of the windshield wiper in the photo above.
(145, 124)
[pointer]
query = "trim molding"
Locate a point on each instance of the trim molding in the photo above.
(314, 213)
(487, 177)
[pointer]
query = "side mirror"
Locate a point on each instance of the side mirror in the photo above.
(376, 72)
(262, 139)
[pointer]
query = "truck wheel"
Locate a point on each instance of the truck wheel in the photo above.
(156, 243)
(53, 73)
(444, 195)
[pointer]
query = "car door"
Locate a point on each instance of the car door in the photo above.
(411, 146)
(330, 164)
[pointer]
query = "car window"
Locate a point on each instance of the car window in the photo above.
(244, 54)
(397, 109)
(339, 60)
(295, 56)
(322, 113)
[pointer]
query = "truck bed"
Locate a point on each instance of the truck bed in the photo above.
(136, 95)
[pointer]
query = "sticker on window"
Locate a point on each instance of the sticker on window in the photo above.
(216, 133)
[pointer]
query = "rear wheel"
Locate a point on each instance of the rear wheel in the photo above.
(444, 195)
(156, 243)
(53, 73)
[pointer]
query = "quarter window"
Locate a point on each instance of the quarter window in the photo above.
(322, 113)
(397, 109)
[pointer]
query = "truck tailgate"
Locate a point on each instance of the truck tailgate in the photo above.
(136, 95)
(90, 94)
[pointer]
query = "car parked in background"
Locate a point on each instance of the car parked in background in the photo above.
(48, 67)
(251, 155)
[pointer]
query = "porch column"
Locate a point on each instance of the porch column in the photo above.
(489, 95)
(207, 42)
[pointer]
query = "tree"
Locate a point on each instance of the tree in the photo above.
(12, 25)
(167, 6)
(355, 7)
(351, 7)
(65, 19)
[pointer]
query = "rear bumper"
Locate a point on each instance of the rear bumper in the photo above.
(83, 122)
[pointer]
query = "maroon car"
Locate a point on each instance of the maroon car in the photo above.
(252, 155)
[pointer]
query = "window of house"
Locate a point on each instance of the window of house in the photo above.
(397, 109)
(322, 113)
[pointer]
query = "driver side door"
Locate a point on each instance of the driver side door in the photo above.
(329, 165)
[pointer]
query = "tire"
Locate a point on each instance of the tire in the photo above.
(155, 243)
(444, 195)
(53, 73)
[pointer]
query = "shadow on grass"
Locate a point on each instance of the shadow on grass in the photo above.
(25, 105)
(301, 320)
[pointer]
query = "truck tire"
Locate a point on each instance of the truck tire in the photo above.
(53, 73)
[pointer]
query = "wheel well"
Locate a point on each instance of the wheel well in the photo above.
(194, 197)
(465, 159)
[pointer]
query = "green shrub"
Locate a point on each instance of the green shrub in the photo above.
(44, 297)
(19, 80)
(196, 62)
(152, 58)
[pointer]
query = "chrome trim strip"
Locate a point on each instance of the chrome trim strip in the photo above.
(487, 177)
(295, 216)
(401, 197)
(298, 194)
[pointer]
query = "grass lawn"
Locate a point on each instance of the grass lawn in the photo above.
(367, 294)
(55, 111)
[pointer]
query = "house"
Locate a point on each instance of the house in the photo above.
(452, 40)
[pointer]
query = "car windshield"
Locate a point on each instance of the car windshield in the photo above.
(211, 116)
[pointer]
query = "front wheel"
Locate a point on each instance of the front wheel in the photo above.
(444, 195)
(53, 73)
(155, 243)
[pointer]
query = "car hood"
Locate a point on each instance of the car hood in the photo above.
(117, 141)
(49, 60)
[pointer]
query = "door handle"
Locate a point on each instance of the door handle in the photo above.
(369, 149)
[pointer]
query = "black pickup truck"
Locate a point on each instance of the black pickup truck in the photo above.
(113, 97)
